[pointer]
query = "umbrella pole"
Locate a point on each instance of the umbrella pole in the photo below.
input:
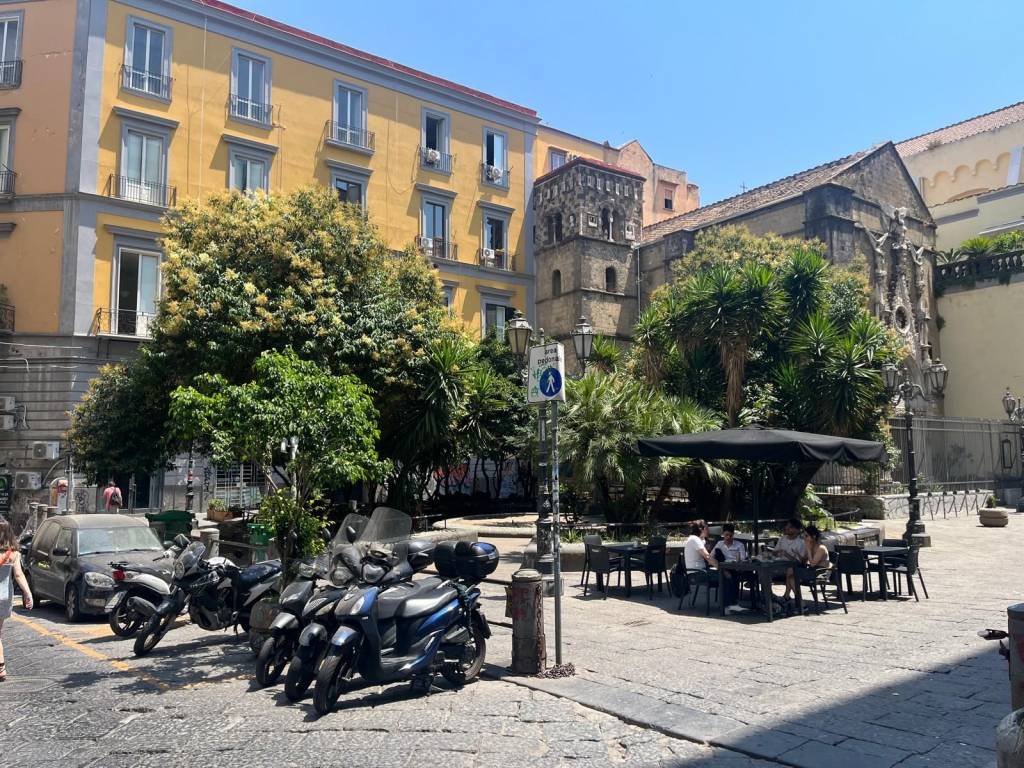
(757, 504)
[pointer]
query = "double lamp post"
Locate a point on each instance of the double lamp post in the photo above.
(1014, 407)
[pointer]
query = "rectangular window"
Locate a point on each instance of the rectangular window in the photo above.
(350, 116)
(448, 291)
(435, 230)
(668, 195)
(349, 191)
(10, 67)
(494, 233)
(495, 317)
(138, 286)
(142, 168)
(250, 98)
(147, 60)
(495, 158)
(435, 133)
(556, 158)
(248, 173)
(5, 147)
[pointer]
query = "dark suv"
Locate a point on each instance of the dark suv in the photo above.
(69, 559)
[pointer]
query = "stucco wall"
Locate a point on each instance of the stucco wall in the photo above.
(990, 213)
(30, 260)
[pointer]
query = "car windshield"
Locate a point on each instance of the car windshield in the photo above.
(133, 538)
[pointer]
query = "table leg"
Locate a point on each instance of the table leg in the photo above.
(721, 586)
(629, 581)
(882, 577)
(600, 582)
(766, 594)
(798, 595)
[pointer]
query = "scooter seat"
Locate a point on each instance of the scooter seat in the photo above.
(426, 601)
(392, 600)
(257, 572)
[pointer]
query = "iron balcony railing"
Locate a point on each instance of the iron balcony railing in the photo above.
(994, 266)
(496, 259)
(138, 191)
(256, 111)
(492, 174)
(10, 73)
(436, 160)
(6, 318)
(122, 322)
(438, 248)
(349, 136)
(152, 83)
(7, 179)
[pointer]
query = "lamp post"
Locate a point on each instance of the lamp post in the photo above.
(582, 342)
(900, 387)
(1014, 407)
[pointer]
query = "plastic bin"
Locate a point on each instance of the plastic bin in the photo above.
(259, 539)
(174, 521)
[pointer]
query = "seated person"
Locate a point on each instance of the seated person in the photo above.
(815, 555)
(790, 547)
(695, 552)
(731, 551)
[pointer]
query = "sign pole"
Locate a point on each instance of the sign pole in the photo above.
(556, 532)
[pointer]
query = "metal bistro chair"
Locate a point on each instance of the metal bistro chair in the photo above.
(907, 568)
(651, 563)
(818, 579)
(590, 540)
(851, 561)
(602, 563)
(707, 578)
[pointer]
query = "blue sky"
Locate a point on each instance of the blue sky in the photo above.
(732, 92)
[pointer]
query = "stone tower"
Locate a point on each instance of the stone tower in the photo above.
(587, 218)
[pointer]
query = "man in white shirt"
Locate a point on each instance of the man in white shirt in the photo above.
(732, 551)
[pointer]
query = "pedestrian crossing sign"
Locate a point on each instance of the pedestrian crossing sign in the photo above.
(547, 374)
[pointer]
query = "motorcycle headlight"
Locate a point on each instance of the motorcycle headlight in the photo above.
(179, 569)
(98, 580)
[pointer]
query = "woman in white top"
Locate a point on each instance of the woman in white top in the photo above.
(695, 552)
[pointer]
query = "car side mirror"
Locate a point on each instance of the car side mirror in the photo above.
(61, 552)
(350, 534)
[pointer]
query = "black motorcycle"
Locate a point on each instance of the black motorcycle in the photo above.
(216, 592)
(396, 629)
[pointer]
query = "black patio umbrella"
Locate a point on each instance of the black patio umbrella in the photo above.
(762, 444)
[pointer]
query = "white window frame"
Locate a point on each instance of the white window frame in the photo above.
(146, 131)
(7, 124)
(429, 200)
(447, 139)
(115, 285)
(501, 162)
(237, 57)
(248, 149)
(248, 157)
(10, 52)
(448, 291)
(488, 300)
(165, 69)
(337, 134)
(554, 152)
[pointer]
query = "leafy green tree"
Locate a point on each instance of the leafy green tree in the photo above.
(975, 247)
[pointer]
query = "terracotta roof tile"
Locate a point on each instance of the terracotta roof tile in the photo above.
(380, 61)
(759, 197)
(962, 130)
(595, 163)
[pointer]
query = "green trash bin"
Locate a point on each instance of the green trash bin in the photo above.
(174, 521)
(259, 538)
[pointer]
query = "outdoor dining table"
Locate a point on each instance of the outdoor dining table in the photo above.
(628, 551)
(881, 553)
(763, 570)
(747, 540)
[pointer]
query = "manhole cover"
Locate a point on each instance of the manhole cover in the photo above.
(21, 685)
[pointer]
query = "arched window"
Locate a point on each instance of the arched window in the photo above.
(556, 283)
(611, 283)
(606, 224)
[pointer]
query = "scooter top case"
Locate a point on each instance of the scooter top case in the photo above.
(469, 560)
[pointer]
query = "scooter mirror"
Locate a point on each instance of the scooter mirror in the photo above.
(168, 544)
(181, 540)
(350, 534)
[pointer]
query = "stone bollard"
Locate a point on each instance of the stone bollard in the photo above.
(211, 540)
(1015, 622)
(1010, 741)
(525, 606)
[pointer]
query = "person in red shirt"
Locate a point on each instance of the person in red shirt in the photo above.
(112, 501)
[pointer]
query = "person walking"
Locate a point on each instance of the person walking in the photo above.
(112, 501)
(10, 571)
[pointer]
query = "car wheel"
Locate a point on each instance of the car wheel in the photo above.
(72, 606)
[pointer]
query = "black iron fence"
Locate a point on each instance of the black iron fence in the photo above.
(247, 109)
(122, 322)
(10, 73)
(352, 137)
(496, 259)
(154, 83)
(492, 174)
(436, 160)
(139, 191)
(438, 248)
(7, 179)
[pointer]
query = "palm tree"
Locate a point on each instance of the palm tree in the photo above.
(975, 247)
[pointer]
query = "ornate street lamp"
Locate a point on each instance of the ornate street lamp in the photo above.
(518, 331)
(582, 341)
(900, 387)
(1014, 407)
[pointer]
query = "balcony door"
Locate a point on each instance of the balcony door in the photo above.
(146, 60)
(348, 116)
(435, 227)
(251, 89)
(142, 177)
(5, 147)
(8, 52)
(138, 285)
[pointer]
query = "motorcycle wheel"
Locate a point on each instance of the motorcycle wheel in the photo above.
(331, 679)
(156, 628)
(270, 663)
(299, 678)
(468, 667)
(124, 621)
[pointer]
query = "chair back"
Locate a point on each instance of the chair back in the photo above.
(600, 558)
(654, 556)
(850, 559)
(591, 539)
(893, 543)
(910, 563)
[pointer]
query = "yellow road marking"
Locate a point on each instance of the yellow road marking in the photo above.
(92, 653)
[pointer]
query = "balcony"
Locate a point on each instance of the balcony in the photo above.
(10, 73)
(144, 192)
(436, 160)
(493, 175)
(438, 248)
(7, 179)
(496, 259)
(346, 136)
(253, 111)
(148, 83)
(6, 319)
(121, 322)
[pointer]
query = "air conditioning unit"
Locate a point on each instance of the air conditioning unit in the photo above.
(7, 402)
(494, 173)
(487, 255)
(432, 156)
(28, 481)
(425, 244)
(6, 423)
(48, 449)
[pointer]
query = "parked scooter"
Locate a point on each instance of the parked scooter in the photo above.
(216, 592)
(135, 580)
(329, 578)
(396, 629)
(386, 529)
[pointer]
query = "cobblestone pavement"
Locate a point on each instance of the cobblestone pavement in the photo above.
(892, 683)
(77, 697)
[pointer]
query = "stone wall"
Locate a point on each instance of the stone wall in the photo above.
(896, 506)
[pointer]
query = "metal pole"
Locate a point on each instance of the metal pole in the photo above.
(1020, 499)
(545, 560)
(189, 487)
(914, 525)
(556, 538)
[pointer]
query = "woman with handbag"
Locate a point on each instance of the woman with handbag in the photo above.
(10, 571)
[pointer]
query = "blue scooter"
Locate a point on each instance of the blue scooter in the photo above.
(396, 629)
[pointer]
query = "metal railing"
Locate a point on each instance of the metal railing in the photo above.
(438, 248)
(152, 83)
(496, 259)
(349, 136)
(138, 191)
(492, 174)
(256, 111)
(6, 318)
(990, 267)
(10, 73)
(436, 160)
(122, 322)
(7, 179)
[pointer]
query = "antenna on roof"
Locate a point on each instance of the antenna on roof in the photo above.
(743, 187)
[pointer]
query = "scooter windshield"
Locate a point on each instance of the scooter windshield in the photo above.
(386, 526)
(189, 557)
(327, 560)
